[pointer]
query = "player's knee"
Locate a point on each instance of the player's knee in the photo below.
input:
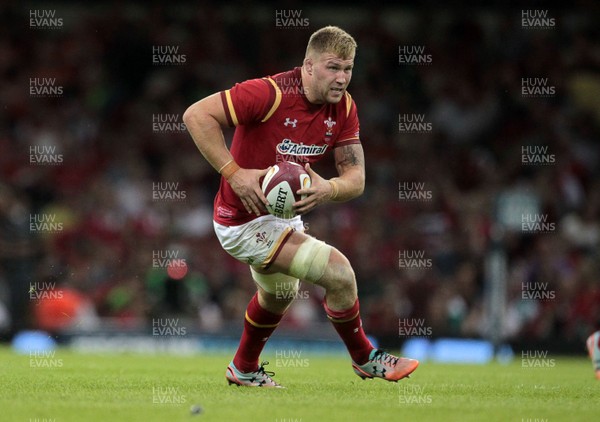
(311, 260)
(339, 273)
(319, 263)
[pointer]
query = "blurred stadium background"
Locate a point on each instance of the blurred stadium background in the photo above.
(106, 205)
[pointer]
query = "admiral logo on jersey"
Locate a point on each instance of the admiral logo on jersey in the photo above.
(289, 147)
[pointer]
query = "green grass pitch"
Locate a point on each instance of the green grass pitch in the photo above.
(125, 387)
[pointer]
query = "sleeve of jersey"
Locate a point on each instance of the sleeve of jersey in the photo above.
(350, 134)
(248, 101)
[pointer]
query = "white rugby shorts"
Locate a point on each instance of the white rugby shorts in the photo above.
(259, 241)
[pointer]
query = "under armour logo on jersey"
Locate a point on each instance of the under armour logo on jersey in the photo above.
(330, 124)
(290, 122)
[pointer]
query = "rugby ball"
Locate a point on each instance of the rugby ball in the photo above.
(280, 185)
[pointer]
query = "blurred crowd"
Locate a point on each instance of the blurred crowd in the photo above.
(108, 252)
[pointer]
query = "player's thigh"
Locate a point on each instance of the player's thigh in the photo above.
(277, 284)
(259, 241)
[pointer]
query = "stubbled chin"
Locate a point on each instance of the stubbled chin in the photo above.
(334, 99)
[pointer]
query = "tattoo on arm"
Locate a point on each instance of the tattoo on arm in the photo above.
(350, 158)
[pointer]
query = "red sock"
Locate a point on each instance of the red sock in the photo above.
(349, 327)
(258, 327)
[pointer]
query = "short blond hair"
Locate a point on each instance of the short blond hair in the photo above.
(332, 39)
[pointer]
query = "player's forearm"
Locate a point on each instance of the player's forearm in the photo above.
(350, 164)
(348, 186)
(208, 137)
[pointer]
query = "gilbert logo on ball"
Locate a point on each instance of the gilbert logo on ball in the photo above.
(280, 185)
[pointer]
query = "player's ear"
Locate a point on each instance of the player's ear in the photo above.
(308, 65)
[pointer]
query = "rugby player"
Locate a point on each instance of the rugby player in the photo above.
(299, 116)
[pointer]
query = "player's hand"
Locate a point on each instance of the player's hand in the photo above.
(319, 192)
(244, 183)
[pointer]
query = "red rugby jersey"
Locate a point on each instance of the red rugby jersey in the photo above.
(275, 122)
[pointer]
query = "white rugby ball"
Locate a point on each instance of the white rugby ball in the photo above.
(280, 185)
